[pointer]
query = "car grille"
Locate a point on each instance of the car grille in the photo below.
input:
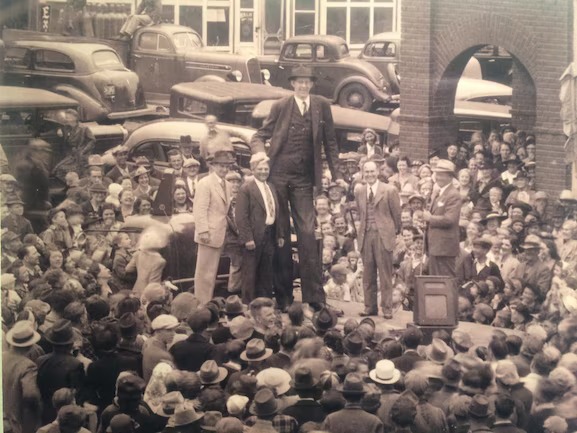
(253, 67)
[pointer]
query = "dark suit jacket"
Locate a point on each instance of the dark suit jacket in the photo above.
(191, 353)
(387, 213)
(276, 129)
(250, 213)
(407, 361)
(305, 411)
(506, 427)
(352, 420)
(443, 230)
(466, 271)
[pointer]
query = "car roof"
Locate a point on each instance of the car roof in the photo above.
(228, 92)
(168, 28)
(468, 88)
(342, 117)
(327, 39)
(172, 129)
(482, 110)
(24, 97)
(385, 36)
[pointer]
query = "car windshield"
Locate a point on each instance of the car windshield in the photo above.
(106, 59)
(187, 41)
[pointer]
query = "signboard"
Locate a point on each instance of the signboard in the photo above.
(44, 18)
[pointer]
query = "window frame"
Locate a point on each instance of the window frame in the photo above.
(37, 67)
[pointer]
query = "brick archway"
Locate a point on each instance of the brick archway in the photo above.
(439, 37)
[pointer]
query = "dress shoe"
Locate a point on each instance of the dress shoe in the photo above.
(368, 313)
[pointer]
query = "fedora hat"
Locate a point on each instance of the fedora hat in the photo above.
(304, 379)
(325, 319)
(169, 403)
(185, 139)
(140, 171)
(255, 351)
(119, 149)
(221, 157)
(302, 71)
(493, 216)
(22, 334)
(479, 407)
(210, 373)
(13, 199)
(438, 351)
(241, 327)
(444, 166)
(353, 343)
(184, 415)
(353, 385)
(234, 306)
(506, 372)
(61, 333)
(385, 372)
(530, 245)
(211, 419)
(274, 378)
(462, 340)
(264, 403)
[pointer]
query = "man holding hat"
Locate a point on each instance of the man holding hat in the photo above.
(443, 222)
(298, 127)
(352, 419)
(260, 231)
(211, 205)
(22, 407)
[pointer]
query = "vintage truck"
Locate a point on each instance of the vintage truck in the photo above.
(347, 81)
(163, 55)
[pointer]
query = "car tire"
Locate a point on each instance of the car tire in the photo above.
(394, 78)
(356, 96)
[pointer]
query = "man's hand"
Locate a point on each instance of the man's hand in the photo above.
(427, 215)
(204, 237)
(280, 242)
(250, 245)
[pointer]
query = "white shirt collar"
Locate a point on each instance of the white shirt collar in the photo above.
(300, 101)
(442, 190)
(374, 187)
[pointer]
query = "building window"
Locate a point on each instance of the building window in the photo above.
(357, 20)
(218, 26)
(168, 14)
(247, 21)
(191, 16)
(304, 17)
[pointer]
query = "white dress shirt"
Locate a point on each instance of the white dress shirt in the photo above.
(370, 150)
(372, 187)
(270, 213)
(300, 102)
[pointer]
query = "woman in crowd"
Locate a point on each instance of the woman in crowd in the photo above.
(181, 200)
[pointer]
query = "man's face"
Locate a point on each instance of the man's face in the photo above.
(220, 169)
(261, 171)
(266, 317)
(191, 171)
(452, 151)
(417, 248)
(370, 172)
(32, 257)
(335, 194)
(17, 209)
(340, 225)
(176, 161)
(406, 218)
(71, 120)
(443, 179)
(23, 274)
(98, 197)
(479, 252)
(505, 152)
(96, 176)
(302, 87)
(121, 158)
(211, 123)
(322, 206)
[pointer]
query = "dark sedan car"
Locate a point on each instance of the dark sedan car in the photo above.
(91, 74)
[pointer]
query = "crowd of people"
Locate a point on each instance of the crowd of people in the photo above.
(96, 337)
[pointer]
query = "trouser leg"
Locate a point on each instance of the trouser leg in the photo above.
(369, 272)
(207, 261)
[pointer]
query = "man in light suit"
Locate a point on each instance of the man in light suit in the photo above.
(210, 210)
(298, 128)
(259, 233)
(443, 222)
(380, 217)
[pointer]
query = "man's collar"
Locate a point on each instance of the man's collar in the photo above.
(444, 188)
(300, 101)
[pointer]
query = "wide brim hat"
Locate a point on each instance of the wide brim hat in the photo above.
(302, 71)
(304, 379)
(210, 373)
(255, 351)
(61, 333)
(264, 403)
(385, 374)
(184, 415)
(22, 334)
(438, 351)
(325, 319)
(352, 386)
(221, 157)
(14, 199)
(169, 403)
(493, 216)
(276, 378)
(234, 305)
(241, 327)
(530, 246)
(140, 171)
(222, 373)
(483, 241)
(444, 166)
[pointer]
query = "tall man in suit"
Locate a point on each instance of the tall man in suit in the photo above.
(298, 127)
(443, 222)
(210, 210)
(259, 233)
(380, 217)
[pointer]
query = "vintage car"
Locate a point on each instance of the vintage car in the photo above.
(476, 90)
(154, 140)
(349, 124)
(472, 116)
(348, 81)
(229, 102)
(382, 50)
(90, 73)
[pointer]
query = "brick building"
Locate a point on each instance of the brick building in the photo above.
(438, 38)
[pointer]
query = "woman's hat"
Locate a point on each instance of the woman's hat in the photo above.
(22, 334)
(438, 351)
(264, 403)
(140, 171)
(241, 327)
(385, 372)
(61, 333)
(493, 216)
(274, 378)
(210, 373)
(255, 351)
(169, 403)
(352, 385)
(302, 71)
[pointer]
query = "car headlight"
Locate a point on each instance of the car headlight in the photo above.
(236, 75)
(265, 74)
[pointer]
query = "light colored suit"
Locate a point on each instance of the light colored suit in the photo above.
(211, 205)
(376, 247)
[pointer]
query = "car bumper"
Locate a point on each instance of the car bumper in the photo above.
(148, 111)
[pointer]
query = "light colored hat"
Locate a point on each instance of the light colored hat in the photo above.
(95, 160)
(257, 158)
(189, 162)
(119, 149)
(255, 351)
(277, 379)
(241, 327)
(444, 166)
(184, 415)
(22, 334)
(7, 281)
(140, 171)
(164, 321)
(169, 403)
(236, 404)
(385, 372)
(506, 372)
(7, 178)
(570, 304)
(541, 195)
(438, 351)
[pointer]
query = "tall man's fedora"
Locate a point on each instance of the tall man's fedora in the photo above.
(302, 71)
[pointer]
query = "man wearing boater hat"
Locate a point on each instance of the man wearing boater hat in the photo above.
(298, 128)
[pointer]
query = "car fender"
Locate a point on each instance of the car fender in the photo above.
(90, 108)
(375, 92)
(211, 78)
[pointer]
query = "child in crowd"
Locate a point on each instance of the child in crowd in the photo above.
(337, 286)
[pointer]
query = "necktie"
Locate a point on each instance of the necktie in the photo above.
(223, 184)
(304, 107)
(269, 200)
(371, 194)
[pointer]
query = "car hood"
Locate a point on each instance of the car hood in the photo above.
(211, 57)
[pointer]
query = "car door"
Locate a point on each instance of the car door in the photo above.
(384, 55)
(293, 54)
(326, 71)
(17, 66)
(146, 62)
